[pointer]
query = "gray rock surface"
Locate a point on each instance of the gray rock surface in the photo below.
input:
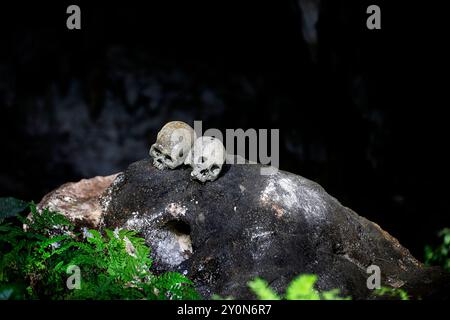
(222, 234)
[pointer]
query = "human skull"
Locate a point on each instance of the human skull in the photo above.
(206, 158)
(172, 145)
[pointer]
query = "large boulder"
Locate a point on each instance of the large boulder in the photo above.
(244, 225)
(223, 233)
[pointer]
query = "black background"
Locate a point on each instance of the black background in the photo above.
(362, 112)
(121, 308)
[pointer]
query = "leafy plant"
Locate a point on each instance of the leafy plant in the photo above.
(35, 262)
(301, 288)
(262, 289)
(440, 255)
(392, 292)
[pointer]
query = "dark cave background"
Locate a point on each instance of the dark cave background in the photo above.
(361, 112)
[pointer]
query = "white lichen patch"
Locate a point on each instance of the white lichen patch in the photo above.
(105, 200)
(285, 195)
(140, 222)
(258, 235)
(262, 240)
(171, 248)
(176, 210)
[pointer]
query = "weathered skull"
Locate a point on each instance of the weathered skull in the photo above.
(206, 159)
(172, 145)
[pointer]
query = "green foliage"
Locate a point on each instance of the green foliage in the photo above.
(392, 292)
(440, 255)
(218, 297)
(301, 288)
(34, 263)
(262, 290)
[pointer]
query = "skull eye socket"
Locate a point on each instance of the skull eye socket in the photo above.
(168, 158)
(180, 154)
(156, 151)
(214, 167)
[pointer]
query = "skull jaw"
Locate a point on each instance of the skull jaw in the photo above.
(203, 175)
(159, 164)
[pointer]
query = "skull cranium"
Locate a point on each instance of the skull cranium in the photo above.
(172, 145)
(206, 158)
